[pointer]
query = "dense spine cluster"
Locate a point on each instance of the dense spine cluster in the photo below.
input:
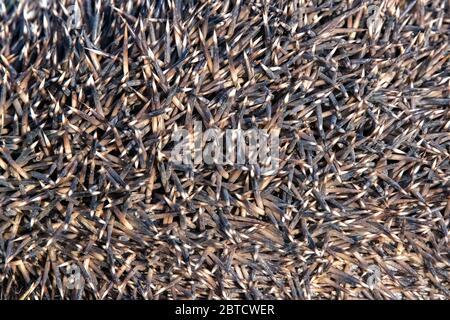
(92, 91)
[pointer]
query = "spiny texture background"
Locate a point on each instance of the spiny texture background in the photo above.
(360, 91)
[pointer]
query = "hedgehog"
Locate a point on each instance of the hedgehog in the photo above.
(92, 205)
